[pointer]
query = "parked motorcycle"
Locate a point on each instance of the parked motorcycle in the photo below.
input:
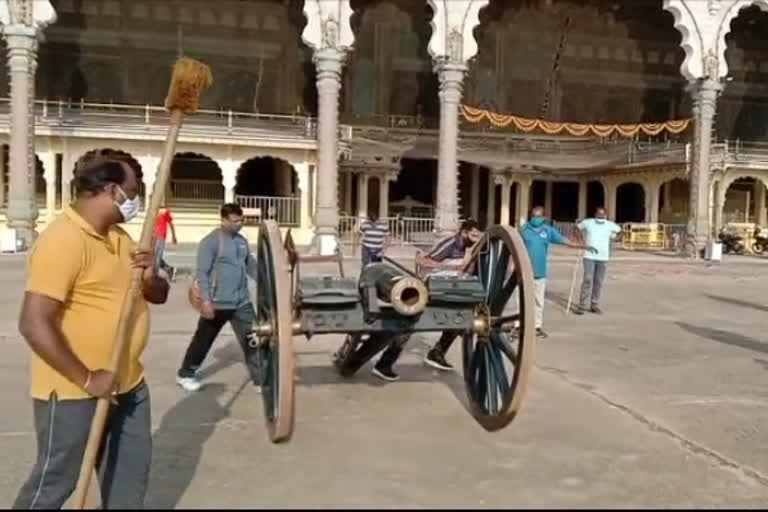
(733, 243)
(760, 245)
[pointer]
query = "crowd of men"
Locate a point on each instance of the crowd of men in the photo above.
(72, 307)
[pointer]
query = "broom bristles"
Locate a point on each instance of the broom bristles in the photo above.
(188, 81)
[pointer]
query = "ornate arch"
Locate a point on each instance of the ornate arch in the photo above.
(328, 24)
(729, 177)
(453, 26)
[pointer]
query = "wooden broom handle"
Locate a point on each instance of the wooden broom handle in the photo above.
(126, 313)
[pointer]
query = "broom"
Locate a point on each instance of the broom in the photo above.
(189, 79)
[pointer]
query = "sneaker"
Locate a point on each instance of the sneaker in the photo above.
(578, 310)
(189, 383)
(596, 310)
(541, 334)
(437, 360)
(387, 374)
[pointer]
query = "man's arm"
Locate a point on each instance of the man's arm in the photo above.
(174, 241)
(39, 324)
(556, 237)
(206, 256)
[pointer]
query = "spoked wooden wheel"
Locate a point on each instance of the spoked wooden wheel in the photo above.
(496, 363)
(275, 350)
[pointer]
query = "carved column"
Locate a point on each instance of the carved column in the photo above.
(329, 63)
(548, 199)
(506, 200)
(652, 201)
(704, 104)
(384, 196)
(582, 208)
(149, 165)
(491, 204)
(451, 76)
(22, 211)
(609, 188)
(523, 198)
(348, 192)
(362, 195)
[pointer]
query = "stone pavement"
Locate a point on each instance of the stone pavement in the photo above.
(662, 402)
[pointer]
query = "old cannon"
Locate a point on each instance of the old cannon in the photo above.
(389, 300)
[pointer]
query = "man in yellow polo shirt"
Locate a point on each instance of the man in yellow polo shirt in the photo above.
(78, 274)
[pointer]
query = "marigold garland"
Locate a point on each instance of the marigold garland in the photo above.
(525, 124)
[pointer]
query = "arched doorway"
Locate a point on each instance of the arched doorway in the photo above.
(630, 203)
(196, 182)
(745, 201)
(414, 192)
(267, 188)
(595, 197)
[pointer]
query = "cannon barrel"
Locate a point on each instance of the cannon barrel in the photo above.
(407, 294)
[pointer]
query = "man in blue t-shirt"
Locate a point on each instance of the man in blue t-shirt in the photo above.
(598, 233)
(538, 236)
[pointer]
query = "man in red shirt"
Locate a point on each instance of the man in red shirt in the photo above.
(162, 223)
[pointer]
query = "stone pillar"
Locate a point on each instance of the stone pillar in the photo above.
(652, 202)
(329, 63)
(68, 161)
(760, 210)
(583, 187)
(609, 196)
(348, 192)
(22, 211)
(704, 104)
(229, 179)
(48, 159)
(506, 200)
(362, 195)
(667, 203)
(2, 176)
(548, 200)
(717, 214)
(491, 204)
(451, 76)
(474, 202)
(384, 196)
(305, 212)
(523, 199)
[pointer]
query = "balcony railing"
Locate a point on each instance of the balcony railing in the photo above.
(201, 190)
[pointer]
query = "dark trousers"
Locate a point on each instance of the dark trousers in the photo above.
(370, 255)
(592, 285)
(62, 428)
(241, 320)
(392, 353)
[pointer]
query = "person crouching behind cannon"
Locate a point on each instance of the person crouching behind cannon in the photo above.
(447, 257)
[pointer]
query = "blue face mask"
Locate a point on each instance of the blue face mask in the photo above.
(537, 222)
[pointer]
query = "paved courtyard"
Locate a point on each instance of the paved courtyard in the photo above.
(662, 402)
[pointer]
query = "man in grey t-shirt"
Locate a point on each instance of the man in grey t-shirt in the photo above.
(223, 257)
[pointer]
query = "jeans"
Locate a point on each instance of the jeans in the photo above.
(594, 275)
(369, 255)
(62, 428)
(241, 319)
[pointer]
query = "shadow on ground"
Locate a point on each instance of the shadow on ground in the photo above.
(179, 440)
(725, 337)
(738, 302)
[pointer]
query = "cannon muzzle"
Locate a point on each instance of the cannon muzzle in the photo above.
(407, 294)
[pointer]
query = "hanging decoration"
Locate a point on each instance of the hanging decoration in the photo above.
(526, 124)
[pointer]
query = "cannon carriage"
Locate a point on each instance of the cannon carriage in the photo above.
(389, 300)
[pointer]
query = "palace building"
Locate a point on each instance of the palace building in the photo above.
(427, 111)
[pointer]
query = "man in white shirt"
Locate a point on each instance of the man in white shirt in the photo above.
(598, 233)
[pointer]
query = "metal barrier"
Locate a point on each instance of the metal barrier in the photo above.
(403, 231)
(285, 210)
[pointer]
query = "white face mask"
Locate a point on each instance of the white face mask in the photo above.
(129, 208)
